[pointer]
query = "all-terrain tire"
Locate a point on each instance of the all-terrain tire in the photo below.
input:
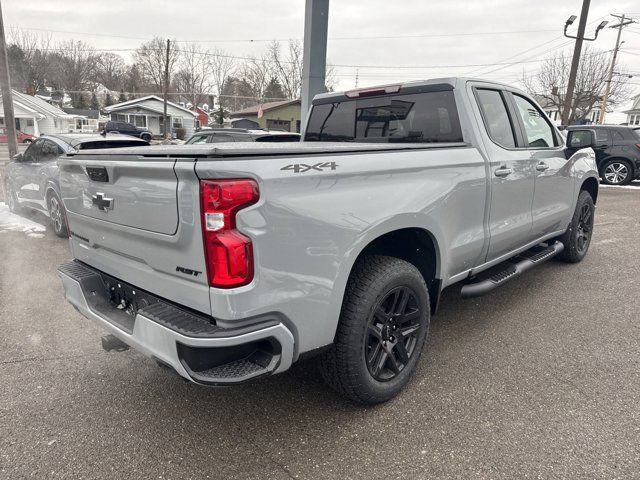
(577, 238)
(375, 283)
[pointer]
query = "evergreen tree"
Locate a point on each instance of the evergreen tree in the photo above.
(122, 97)
(81, 101)
(108, 99)
(95, 104)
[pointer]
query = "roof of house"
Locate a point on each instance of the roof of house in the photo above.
(119, 106)
(267, 106)
(39, 106)
(85, 112)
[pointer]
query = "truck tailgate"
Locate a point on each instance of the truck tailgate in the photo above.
(137, 219)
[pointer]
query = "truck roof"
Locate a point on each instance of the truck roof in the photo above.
(415, 86)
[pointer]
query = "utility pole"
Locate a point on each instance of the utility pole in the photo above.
(166, 90)
(314, 58)
(7, 97)
(607, 88)
(575, 61)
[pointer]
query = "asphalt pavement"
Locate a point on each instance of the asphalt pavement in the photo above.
(540, 379)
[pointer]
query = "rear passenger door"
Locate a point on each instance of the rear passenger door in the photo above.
(511, 174)
(553, 188)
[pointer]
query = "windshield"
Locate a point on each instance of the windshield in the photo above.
(417, 118)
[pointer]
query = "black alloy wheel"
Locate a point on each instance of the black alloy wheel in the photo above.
(585, 227)
(392, 333)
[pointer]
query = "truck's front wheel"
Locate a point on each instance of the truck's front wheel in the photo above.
(383, 326)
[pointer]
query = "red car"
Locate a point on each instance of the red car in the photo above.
(22, 137)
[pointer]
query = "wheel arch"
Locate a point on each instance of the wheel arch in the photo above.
(591, 185)
(416, 245)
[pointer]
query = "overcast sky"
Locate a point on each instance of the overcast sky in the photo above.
(433, 38)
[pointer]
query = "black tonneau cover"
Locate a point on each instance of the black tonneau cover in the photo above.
(249, 149)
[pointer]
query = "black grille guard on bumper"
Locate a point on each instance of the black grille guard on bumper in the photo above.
(190, 343)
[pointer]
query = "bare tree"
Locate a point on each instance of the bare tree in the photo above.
(195, 75)
(110, 70)
(75, 63)
(257, 74)
(286, 67)
(35, 60)
(151, 60)
(551, 81)
(224, 66)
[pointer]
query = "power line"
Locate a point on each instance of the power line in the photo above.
(256, 40)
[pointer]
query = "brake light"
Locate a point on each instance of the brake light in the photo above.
(372, 92)
(228, 253)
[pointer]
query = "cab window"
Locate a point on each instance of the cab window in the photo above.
(538, 131)
(496, 118)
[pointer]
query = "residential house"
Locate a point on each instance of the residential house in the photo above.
(202, 118)
(553, 112)
(147, 112)
(283, 115)
(633, 115)
(88, 120)
(35, 116)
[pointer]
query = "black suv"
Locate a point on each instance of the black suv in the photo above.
(127, 129)
(617, 153)
(223, 135)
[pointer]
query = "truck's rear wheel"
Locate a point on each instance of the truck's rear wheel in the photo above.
(382, 329)
(577, 238)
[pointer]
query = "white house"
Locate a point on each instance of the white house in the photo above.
(35, 116)
(553, 112)
(147, 112)
(633, 115)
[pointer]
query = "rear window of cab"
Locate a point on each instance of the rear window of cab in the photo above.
(413, 118)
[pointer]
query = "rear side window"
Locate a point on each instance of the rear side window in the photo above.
(496, 117)
(602, 136)
(100, 144)
(197, 140)
(220, 138)
(617, 136)
(278, 138)
(417, 118)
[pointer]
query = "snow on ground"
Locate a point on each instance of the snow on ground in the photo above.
(10, 222)
(632, 186)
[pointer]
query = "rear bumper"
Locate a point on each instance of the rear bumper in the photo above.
(190, 343)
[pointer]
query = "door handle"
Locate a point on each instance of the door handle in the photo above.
(541, 167)
(503, 172)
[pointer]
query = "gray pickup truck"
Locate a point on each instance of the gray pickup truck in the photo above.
(228, 262)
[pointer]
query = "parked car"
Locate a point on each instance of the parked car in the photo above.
(20, 136)
(125, 128)
(223, 135)
(337, 246)
(32, 179)
(617, 152)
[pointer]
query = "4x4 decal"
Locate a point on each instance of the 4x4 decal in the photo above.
(303, 167)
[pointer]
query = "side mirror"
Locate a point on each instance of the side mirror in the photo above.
(18, 157)
(577, 139)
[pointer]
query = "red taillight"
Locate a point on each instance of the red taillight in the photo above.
(228, 253)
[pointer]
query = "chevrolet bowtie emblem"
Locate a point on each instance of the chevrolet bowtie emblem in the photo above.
(103, 203)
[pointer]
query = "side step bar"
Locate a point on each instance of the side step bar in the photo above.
(512, 271)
